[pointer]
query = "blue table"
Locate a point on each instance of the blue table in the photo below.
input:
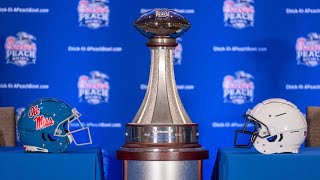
(82, 163)
(248, 164)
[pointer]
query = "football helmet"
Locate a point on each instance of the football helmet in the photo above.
(274, 126)
(44, 126)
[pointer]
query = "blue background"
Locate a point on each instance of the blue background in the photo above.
(273, 69)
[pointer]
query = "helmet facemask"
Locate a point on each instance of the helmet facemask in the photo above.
(251, 128)
(73, 118)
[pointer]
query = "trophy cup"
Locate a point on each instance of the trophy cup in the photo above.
(161, 141)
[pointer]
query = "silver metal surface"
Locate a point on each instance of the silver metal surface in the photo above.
(162, 134)
(163, 149)
(163, 40)
(161, 104)
(162, 170)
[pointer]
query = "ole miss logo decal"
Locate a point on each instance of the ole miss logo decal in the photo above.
(41, 121)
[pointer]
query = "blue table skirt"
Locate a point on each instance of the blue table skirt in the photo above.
(82, 163)
(248, 164)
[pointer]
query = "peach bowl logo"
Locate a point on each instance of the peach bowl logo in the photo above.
(177, 53)
(238, 14)
(308, 50)
(238, 89)
(93, 13)
(94, 89)
(21, 50)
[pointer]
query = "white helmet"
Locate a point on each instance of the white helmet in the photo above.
(278, 125)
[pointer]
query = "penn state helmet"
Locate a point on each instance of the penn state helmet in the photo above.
(44, 126)
(278, 126)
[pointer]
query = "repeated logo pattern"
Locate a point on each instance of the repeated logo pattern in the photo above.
(94, 89)
(238, 14)
(94, 13)
(21, 50)
(238, 89)
(308, 50)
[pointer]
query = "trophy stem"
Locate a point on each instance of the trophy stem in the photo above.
(161, 104)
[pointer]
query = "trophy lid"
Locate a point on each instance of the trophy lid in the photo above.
(161, 22)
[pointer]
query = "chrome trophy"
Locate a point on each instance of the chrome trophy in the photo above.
(161, 141)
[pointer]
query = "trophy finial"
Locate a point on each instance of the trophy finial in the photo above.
(162, 23)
